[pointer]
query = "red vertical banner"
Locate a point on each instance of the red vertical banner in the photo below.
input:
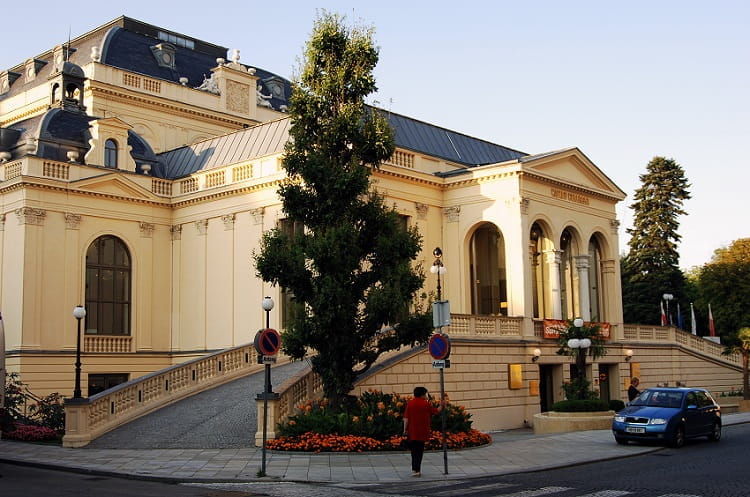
(711, 327)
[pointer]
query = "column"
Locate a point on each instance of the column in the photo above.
(582, 265)
(552, 259)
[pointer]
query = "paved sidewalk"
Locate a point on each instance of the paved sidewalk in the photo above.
(511, 452)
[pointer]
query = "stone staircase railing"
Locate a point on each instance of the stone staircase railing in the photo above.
(89, 418)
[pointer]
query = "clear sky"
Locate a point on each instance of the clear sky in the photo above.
(623, 81)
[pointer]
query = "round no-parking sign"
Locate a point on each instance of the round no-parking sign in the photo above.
(439, 346)
(267, 342)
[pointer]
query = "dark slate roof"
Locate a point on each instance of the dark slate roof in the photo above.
(128, 46)
(439, 142)
(258, 141)
(269, 138)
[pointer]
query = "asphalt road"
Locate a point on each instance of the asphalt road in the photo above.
(700, 469)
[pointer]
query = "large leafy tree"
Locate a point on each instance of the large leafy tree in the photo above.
(741, 344)
(725, 284)
(651, 267)
(352, 268)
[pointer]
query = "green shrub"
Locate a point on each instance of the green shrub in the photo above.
(588, 405)
(616, 405)
(579, 386)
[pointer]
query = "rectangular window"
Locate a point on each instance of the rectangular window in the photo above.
(101, 382)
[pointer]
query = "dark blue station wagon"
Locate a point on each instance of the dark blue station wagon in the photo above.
(668, 415)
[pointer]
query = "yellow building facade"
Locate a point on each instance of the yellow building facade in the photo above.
(139, 169)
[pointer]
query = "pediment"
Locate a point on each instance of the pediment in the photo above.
(571, 167)
(116, 185)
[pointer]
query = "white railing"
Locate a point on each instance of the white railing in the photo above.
(89, 418)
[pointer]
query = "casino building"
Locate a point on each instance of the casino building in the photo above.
(139, 167)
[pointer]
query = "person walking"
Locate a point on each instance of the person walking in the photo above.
(633, 391)
(417, 429)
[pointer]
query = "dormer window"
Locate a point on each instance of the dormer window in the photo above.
(110, 153)
(164, 53)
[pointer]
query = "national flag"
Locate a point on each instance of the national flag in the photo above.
(680, 323)
(711, 327)
(693, 324)
(663, 315)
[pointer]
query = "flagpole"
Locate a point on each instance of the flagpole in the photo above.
(693, 325)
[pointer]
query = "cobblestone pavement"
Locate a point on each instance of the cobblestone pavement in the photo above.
(224, 417)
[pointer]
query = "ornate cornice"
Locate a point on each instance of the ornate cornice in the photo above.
(569, 186)
(134, 99)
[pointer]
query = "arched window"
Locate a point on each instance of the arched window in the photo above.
(568, 276)
(489, 288)
(108, 287)
(538, 270)
(596, 295)
(110, 153)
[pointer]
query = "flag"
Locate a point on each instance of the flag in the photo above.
(663, 316)
(711, 327)
(680, 323)
(693, 324)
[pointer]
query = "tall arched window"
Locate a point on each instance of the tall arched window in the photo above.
(596, 295)
(489, 289)
(110, 153)
(108, 287)
(568, 276)
(538, 270)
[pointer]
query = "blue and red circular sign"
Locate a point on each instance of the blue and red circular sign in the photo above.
(267, 341)
(439, 346)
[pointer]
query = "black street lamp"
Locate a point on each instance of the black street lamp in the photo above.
(79, 312)
(438, 268)
(267, 306)
(580, 345)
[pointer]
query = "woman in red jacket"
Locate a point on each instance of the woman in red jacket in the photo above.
(417, 418)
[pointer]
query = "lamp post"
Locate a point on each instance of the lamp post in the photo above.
(580, 345)
(438, 268)
(267, 306)
(79, 312)
(668, 297)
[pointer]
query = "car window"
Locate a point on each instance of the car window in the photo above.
(692, 399)
(703, 400)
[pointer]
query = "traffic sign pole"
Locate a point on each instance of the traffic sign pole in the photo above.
(439, 347)
(267, 344)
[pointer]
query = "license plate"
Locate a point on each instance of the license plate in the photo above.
(633, 429)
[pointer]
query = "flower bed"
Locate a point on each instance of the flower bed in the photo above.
(373, 423)
(31, 433)
(317, 442)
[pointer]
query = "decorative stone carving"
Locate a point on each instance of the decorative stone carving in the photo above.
(614, 226)
(28, 215)
(209, 85)
(176, 232)
(202, 226)
(96, 53)
(72, 221)
(452, 213)
(228, 221)
(608, 266)
(238, 97)
(421, 210)
(263, 100)
(524, 202)
(147, 229)
(258, 215)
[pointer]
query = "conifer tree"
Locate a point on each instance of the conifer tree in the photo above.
(651, 268)
(351, 269)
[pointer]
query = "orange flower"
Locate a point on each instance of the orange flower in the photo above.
(355, 419)
(369, 418)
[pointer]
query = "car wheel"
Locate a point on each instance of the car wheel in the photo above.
(621, 441)
(715, 434)
(678, 438)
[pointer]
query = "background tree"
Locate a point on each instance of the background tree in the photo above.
(351, 269)
(725, 284)
(741, 343)
(651, 267)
